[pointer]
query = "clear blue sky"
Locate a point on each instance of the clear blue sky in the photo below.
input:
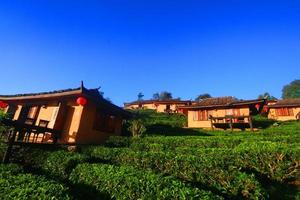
(240, 48)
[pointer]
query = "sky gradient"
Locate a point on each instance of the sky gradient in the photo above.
(225, 48)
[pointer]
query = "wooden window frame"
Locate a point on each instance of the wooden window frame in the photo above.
(104, 122)
(284, 112)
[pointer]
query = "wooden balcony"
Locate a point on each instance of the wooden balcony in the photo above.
(24, 134)
(231, 122)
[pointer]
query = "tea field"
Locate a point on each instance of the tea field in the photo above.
(184, 164)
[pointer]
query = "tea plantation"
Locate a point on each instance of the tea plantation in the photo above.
(168, 162)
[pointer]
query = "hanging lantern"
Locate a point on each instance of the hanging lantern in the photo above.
(81, 101)
(257, 106)
(3, 104)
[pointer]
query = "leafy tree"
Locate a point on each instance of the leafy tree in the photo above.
(202, 96)
(140, 96)
(165, 95)
(137, 128)
(267, 96)
(156, 96)
(291, 90)
(162, 96)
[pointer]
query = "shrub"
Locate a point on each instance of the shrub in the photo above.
(126, 182)
(275, 160)
(10, 169)
(57, 163)
(118, 141)
(136, 128)
(214, 169)
(27, 186)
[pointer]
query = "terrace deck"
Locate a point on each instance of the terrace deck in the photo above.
(231, 122)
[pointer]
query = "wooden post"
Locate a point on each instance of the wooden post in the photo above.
(11, 141)
(211, 123)
(250, 123)
(230, 124)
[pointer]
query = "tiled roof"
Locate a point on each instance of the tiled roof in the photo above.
(217, 101)
(90, 93)
(40, 93)
(167, 101)
(286, 103)
(223, 102)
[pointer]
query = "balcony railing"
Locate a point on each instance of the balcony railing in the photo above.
(231, 122)
(21, 133)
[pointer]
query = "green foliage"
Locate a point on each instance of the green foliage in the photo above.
(14, 184)
(212, 164)
(164, 95)
(262, 122)
(57, 163)
(126, 182)
(10, 169)
(202, 96)
(140, 96)
(291, 90)
(214, 170)
(136, 128)
(27, 186)
(267, 96)
(151, 117)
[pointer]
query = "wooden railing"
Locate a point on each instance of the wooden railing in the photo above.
(231, 122)
(19, 133)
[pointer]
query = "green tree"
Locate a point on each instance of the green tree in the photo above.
(165, 95)
(137, 128)
(140, 96)
(202, 96)
(291, 90)
(155, 96)
(267, 96)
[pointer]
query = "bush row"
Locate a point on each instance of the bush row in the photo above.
(15, 185)
(170, 143)
(126, 182)
(277, 161)
(214, 171)
(56, 163)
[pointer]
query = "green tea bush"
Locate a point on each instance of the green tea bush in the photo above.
(57, 163)
(126, 182)
(10, 169)
(118, 141)
(27, 186)
(277, 161)
(214, 169)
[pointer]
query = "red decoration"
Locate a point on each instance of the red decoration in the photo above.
(257, 106)
(3, 104)
(81, 101)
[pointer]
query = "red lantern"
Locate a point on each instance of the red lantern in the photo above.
(3, 104)
(257, 106)
(81, 101)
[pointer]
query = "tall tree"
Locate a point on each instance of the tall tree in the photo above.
(155, 96)
(202, 96)
(291, 90)
(267, 96)
(165, 95)
(140, 96)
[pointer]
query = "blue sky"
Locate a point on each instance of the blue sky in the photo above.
(238, 48)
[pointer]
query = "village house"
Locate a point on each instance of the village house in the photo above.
(223, 112)
(168, 105)
(283, 110)
(76, 116)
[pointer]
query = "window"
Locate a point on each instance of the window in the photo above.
(233, 112)
(104, 122)
(284, 112)
(32, 112)
(200, 115)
